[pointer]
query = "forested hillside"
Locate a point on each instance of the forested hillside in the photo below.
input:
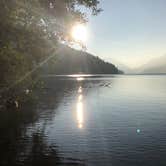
(70, 61)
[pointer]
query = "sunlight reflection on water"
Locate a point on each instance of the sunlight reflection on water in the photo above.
(79, 111)
(80, 90)
(80, 78)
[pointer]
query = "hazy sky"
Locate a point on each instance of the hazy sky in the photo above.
(129, 31)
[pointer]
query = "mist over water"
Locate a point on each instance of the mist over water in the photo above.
(89, 120)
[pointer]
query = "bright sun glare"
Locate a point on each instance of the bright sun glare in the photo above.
(79, 33)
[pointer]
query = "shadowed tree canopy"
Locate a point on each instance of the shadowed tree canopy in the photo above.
(53, 16)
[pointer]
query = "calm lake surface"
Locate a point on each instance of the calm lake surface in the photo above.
(98, 121)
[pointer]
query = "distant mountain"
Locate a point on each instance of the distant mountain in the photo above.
(122, 67)
(154, 66)
(71, 61)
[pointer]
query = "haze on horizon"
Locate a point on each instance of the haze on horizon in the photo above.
(130, 32)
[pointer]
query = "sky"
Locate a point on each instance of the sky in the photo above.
(129, 32)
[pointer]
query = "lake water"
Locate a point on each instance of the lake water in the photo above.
(98, 121)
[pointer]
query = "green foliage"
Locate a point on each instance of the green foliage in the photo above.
(12, 65)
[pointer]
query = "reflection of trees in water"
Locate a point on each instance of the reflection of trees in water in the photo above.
(54, 92)
(39, 153)
(42, 154)
(21, 147)
(18, 146)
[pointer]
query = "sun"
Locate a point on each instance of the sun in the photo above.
(79, 33)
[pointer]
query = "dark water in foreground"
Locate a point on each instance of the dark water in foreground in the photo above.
(114, 121)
